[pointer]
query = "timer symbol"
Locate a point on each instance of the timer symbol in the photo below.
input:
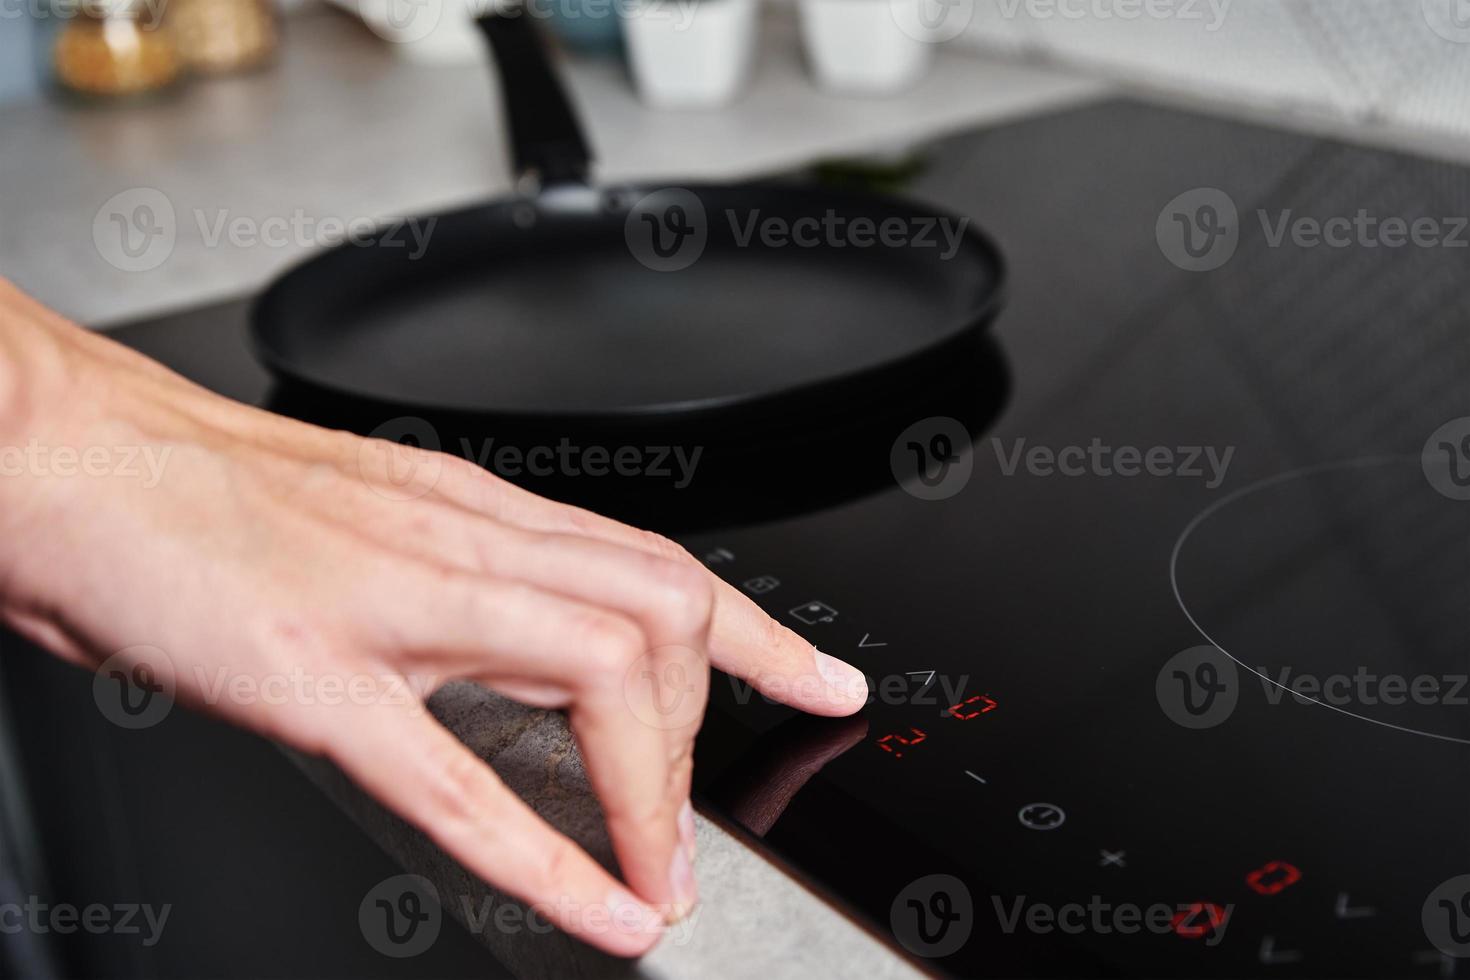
(1041, 816)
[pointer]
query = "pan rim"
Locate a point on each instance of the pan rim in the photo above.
(977, 319)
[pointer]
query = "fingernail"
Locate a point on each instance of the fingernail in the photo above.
(686, 831)
(638, 923)
(843, 678)
(681, 879)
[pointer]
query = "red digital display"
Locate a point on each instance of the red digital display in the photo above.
(1198, 919)
(897, 743)
(973, 707)
(1273, 877)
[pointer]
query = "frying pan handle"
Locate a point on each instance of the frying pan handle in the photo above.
(546, 139)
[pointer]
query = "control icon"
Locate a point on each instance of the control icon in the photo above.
(719, 556)
(932, 916)
(814, 612)
(1112, 859)
(761, 584)
(1273, 877)
(1345, 909)
(972, 707)
(895, 744)
(1041, 816)
(1271, 956)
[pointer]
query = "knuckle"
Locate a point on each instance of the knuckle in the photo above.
(684, 598)
(663, 547)
(455, 801)
(609, 644)
(552, 872)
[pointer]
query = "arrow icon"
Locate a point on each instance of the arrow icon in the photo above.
(1345, 911)
(1271, 956)
(864, 642)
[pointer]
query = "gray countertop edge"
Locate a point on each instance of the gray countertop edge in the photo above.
(753, 920)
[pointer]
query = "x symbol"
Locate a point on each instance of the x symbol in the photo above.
(1114, 858)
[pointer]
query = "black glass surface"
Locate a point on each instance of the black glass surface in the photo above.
(1284, 836)
(1056, 729)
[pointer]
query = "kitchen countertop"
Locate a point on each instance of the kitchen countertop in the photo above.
(342, 129)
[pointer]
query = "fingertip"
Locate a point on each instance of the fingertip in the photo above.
(635, 926)
(846, 686)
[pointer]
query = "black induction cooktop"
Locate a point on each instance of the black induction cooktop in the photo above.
(1164, 594)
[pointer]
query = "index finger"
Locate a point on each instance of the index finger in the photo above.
(744, 640)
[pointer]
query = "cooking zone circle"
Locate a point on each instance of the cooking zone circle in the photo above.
(1334, 585)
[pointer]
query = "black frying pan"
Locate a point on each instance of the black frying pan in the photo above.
(633, 303)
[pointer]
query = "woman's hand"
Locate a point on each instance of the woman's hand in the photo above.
(242, 546)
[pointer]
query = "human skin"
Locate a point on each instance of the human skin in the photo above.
(264, 547)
